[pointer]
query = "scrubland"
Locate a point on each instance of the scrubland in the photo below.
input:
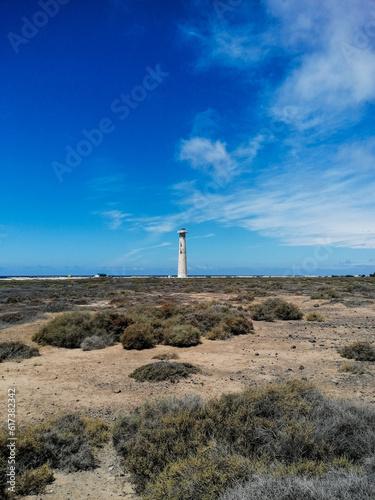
(204, 388)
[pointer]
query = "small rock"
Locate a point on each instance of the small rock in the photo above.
(117, 392)
(293, 346)
(301, 367)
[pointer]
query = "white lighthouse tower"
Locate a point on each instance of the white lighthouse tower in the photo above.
(182, 265)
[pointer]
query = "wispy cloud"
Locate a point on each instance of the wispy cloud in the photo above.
(318, 184)
(310, 193)
(107, 184)
(137, 252)
(210, 235)
(114, 218)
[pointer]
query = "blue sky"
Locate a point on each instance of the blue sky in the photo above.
(249, 122)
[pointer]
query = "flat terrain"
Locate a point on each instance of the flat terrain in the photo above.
(97, 382)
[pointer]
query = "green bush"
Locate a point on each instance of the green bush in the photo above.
(182, 336)
(203, 475)
(34, 481)
(138, 336)
(315, 316)
(272, 309)
(288, 311)
(163, 370)
(16, 351)
(325, 294)
(237, 324)
(109, 323)
(218, 332)
(231, 324)
(360, 351)
(71, 329)
(278, 430)
(165, 356)
(67, 442)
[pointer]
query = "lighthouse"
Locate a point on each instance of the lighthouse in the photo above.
(182, 265)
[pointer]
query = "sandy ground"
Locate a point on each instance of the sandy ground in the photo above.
(97, 382)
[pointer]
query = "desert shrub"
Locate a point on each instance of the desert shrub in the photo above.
(159, 328)
(360, 351)
(169, 309)
(352, 367)
(96, 342)
(58, 306)
(203, 475)
(245, 297)
(144, 313)
(16, 351)
(237, 324)
(163, 370)
(11, 317)
(109, 323)
(288, 311)
(262, 312)
(218, 321)
(287, 429)
(218, 332)
(202, 317)
(165, 356)
(34, 481)
(272, 309)
(182, 336)
(335, 485)
(138, 336)
(232, 324)
(67, 330)
(67, 442)
(71, 329)
(325, 294)
(315, 316)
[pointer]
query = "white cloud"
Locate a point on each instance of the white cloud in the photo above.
(313, 191)
(114, 218)
(334, 76)
(211, 157)
(210, 235)
(299, 206)
(136, 252)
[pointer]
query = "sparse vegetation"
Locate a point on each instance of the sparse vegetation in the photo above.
(187, 449)
(138, 336)
(272, 309)
(354, 367)
(67, 442)
(360, 351)
(163, 370)
(273, 441)
(182, 336)
(315, 316)
(71, 329)
(16, 351)
(166, 356)
(325, 293)
(333, 485)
